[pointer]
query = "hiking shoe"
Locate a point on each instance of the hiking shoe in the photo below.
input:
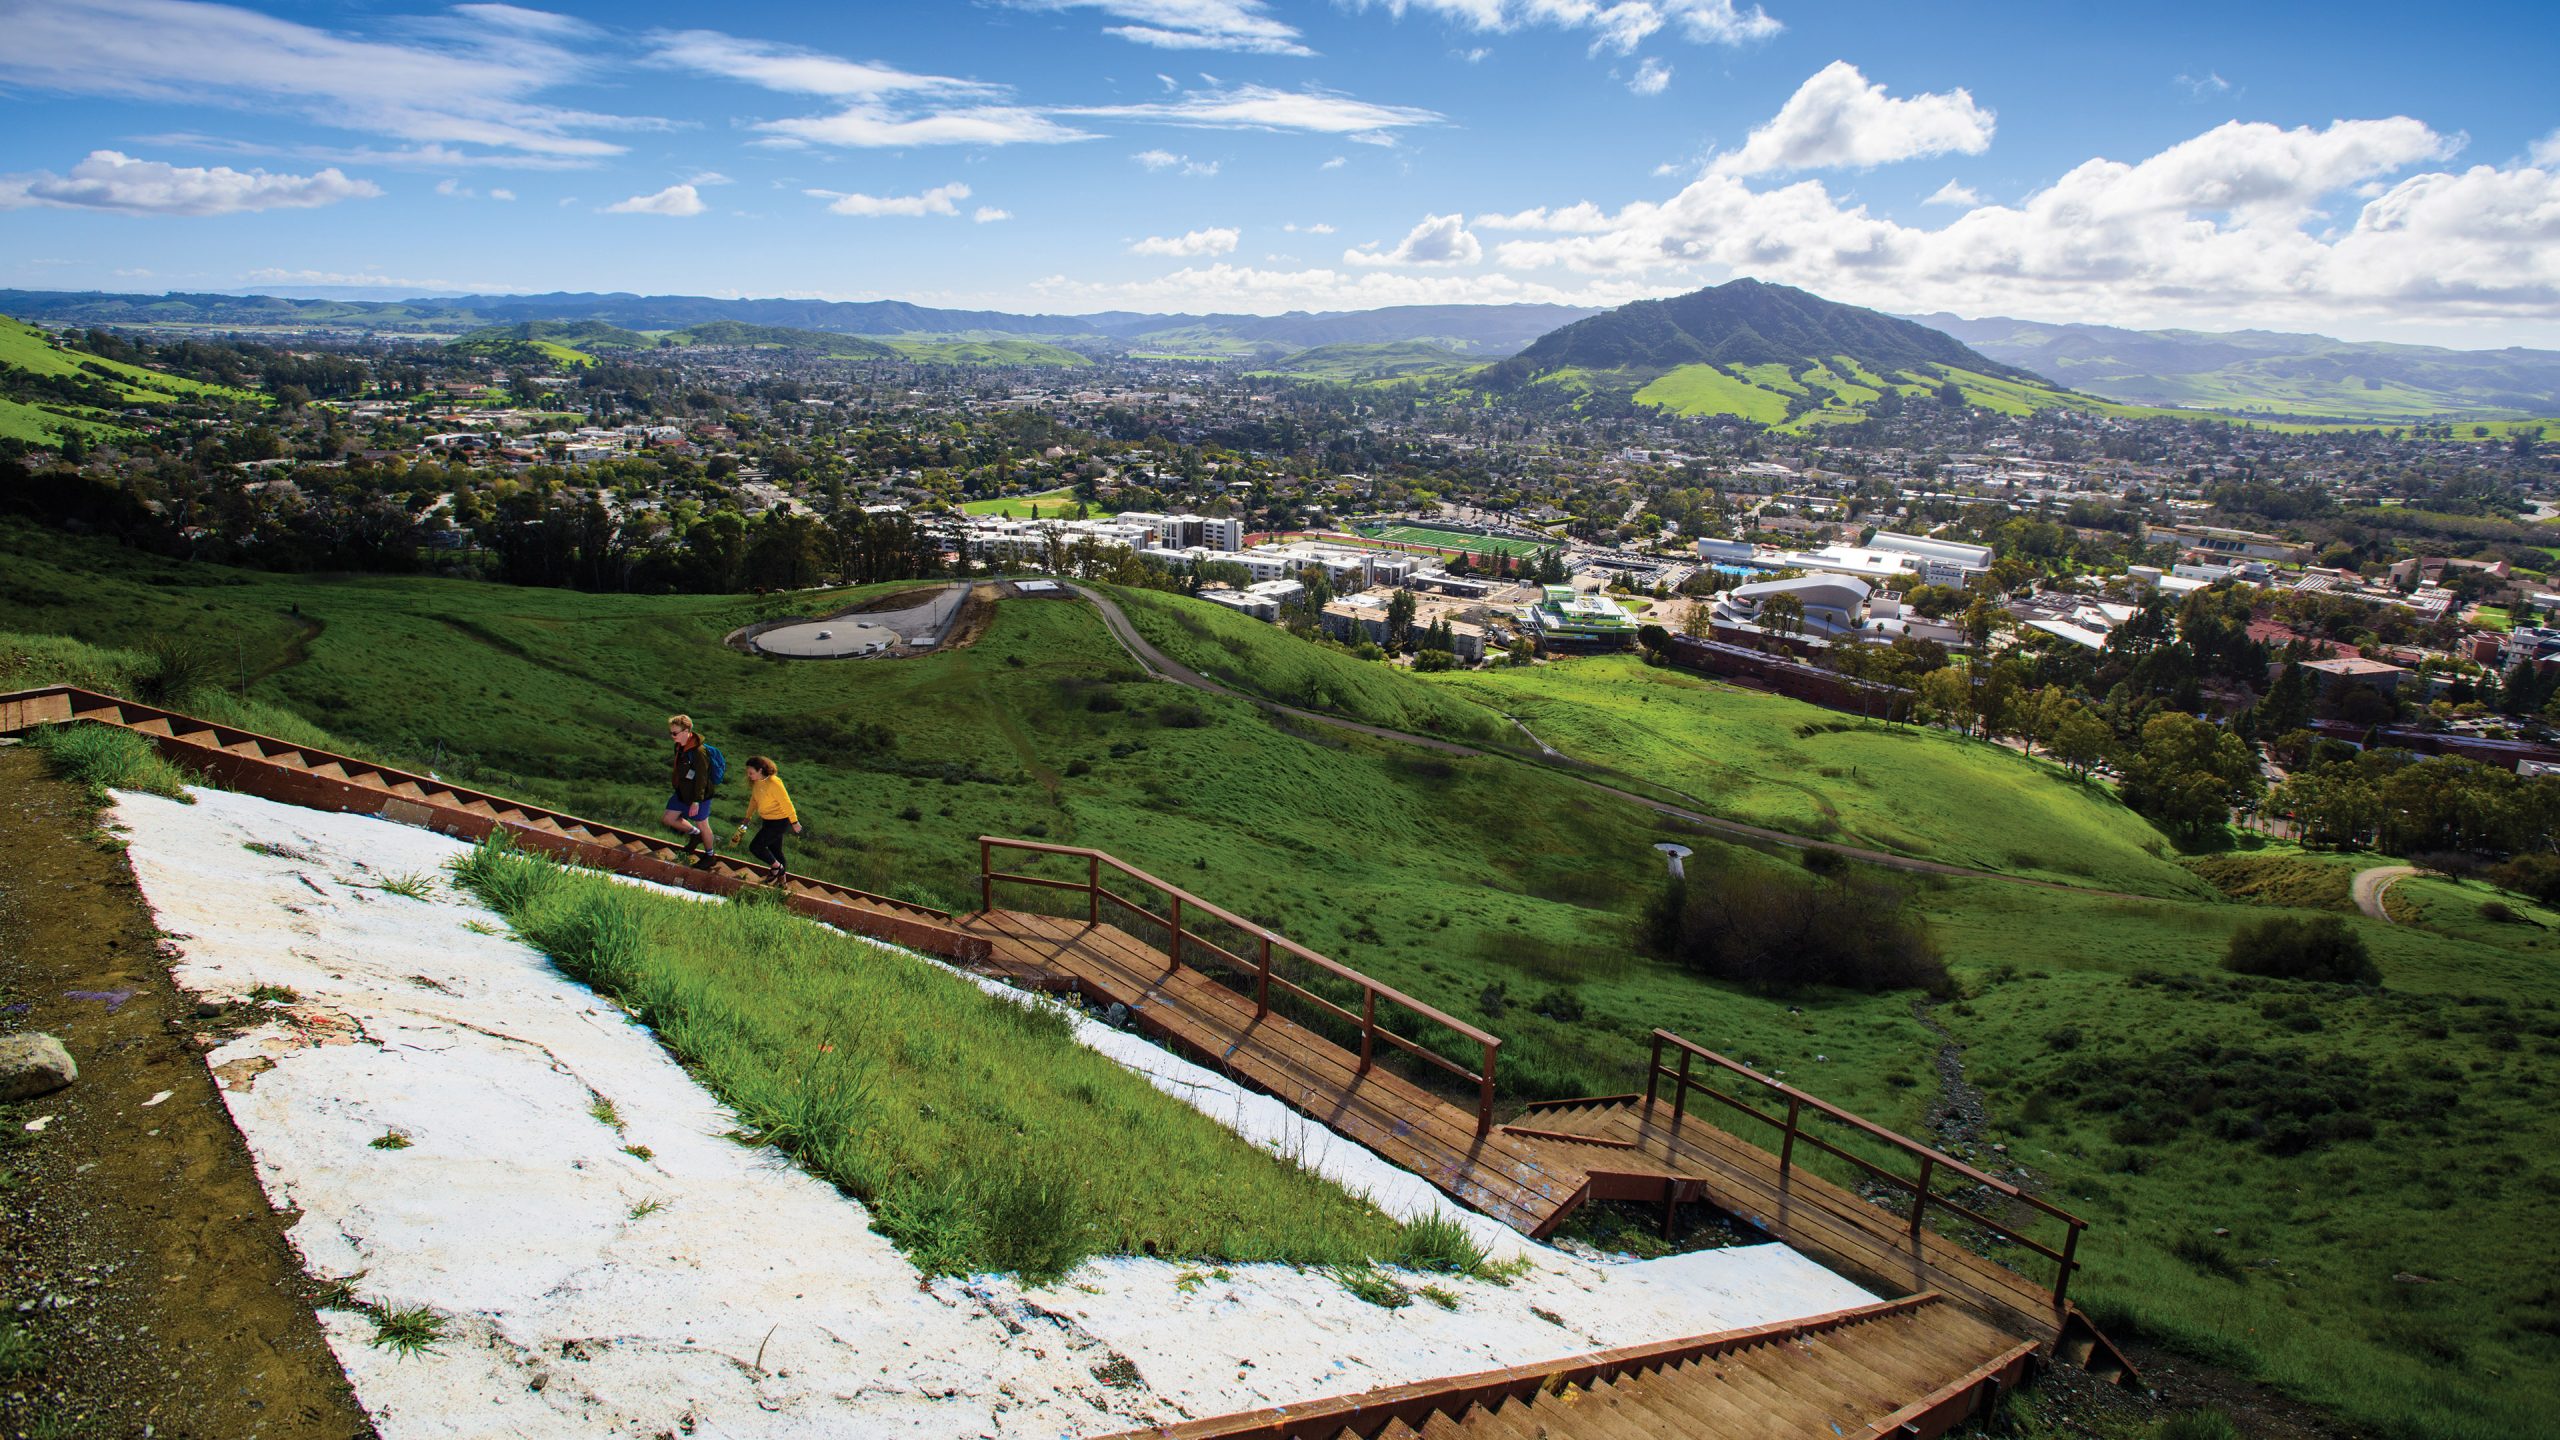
(703, 860)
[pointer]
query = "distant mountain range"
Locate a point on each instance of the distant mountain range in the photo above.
(1483, 331)
(2270, 372)
(1764, 352)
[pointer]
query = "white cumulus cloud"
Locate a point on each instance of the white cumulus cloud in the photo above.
(940, 200)
(675, 200)
(1218, 241)
(989, 215)
(1954, 193)
(1838, 118)
(1438, 240)
(2247, 223)
(111, 180)
(1580, 218)
(1651, 78)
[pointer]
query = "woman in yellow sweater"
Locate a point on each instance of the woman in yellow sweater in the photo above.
(770, 803)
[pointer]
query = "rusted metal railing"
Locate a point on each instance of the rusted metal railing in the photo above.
(1185, 943)
(1791, 1129)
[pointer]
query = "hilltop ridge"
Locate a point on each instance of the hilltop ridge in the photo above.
(1742, 322)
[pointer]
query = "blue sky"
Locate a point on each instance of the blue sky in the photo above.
(2366, 171)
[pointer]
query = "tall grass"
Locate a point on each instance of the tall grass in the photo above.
(980, 1133)
(100, 758)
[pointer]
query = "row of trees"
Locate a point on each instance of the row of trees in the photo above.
(2405, 804)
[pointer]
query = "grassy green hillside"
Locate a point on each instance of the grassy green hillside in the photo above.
(1781, 763)
(32, 410)
(1354, 363)
(1263, 660)
(573, 343)
(2343, 1137)
(1050, 503)
(987, 352)
(780, 337)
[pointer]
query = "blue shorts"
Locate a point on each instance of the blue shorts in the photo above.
(688, 809)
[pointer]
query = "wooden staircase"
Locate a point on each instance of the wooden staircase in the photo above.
(1906, 1368)
(1650, 1148)
(281, 770)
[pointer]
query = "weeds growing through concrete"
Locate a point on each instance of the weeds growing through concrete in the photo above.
(409, 1330)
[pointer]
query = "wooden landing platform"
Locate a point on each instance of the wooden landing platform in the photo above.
(1519, 1182)
(1862, 1240)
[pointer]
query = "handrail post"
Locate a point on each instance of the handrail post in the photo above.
(1484, 1087)
(1920, 1195)
(1093, 889)
(1262, 980)
(986, 874)
(1177, 927)
(1680, 1095)
(1787, 1152)
(2070, 1249)
(1653, 1073)
(1368, 1025)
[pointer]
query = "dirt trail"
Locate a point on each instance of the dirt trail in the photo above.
(165, 1295)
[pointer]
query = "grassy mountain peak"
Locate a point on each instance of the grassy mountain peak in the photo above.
(1741, 322)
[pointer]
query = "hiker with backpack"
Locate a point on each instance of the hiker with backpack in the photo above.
(770, 803)
(692, 777)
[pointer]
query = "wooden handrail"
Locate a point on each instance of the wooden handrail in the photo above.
(1791, 1127)
(1181, 902)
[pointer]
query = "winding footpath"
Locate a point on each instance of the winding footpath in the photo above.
(2372, 884)
(1164, 666)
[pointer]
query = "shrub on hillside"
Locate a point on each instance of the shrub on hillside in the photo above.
(2536, 875)
(171, 670)
(2302, 948)
(1779, 930)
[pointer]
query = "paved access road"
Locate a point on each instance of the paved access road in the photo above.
(1155, 661)
(2370, 885)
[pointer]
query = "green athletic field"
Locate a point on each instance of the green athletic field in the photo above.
(1453, 540)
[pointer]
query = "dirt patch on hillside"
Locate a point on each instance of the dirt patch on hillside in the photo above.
(976, 614)
(148, 1284)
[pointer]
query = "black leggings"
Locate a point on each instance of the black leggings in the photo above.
(767, 846)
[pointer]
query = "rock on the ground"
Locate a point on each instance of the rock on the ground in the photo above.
(32, 1065)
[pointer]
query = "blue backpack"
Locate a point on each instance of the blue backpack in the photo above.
(719, 764)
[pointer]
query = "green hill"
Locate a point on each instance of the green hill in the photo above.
(2263, 372)
(1770, 354)
(987, 352)
(48, 391)
(781, 337)
(1741, 322)
(1391, 360)
(553, 342)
